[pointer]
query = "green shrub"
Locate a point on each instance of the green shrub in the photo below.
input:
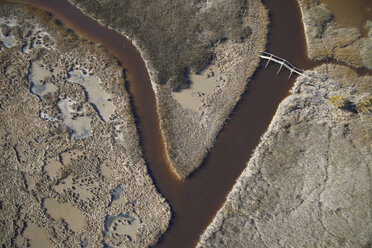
(364, 105)
(338, 101)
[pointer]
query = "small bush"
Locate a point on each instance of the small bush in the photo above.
(364, 105)
(338, 101)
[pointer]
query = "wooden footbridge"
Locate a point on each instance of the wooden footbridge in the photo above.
(282, 62)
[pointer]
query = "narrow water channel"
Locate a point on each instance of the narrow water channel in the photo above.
(195, 201)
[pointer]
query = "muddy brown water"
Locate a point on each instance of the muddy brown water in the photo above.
(195, 201)
(353, 13)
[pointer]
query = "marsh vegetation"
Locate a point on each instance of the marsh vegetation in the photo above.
(175, 35)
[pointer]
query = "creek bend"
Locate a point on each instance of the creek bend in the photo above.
(195, 201)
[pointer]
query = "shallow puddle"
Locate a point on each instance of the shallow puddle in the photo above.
(37, 74)
(52, 166)
(8, 41)
(30, 182)
(201, 86)
(96, 95)
(47, 117)
(66, 211)
(42, 90)
(33, 236)
(80, 126)
(122, 224)
(81, 189)
(37, 39)
(116, 196)
(70, 155)
(106, 169)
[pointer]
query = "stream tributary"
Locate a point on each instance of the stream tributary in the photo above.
(195, 201)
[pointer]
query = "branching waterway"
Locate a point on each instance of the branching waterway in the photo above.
(195, 201)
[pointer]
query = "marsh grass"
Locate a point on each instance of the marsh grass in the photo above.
(174, 34)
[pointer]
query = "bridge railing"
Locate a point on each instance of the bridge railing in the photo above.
(282, 62)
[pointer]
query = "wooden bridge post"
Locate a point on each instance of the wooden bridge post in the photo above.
(290, 74)
(281, 65)
(268, 60)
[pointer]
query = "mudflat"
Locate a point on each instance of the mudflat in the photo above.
(72, 172)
